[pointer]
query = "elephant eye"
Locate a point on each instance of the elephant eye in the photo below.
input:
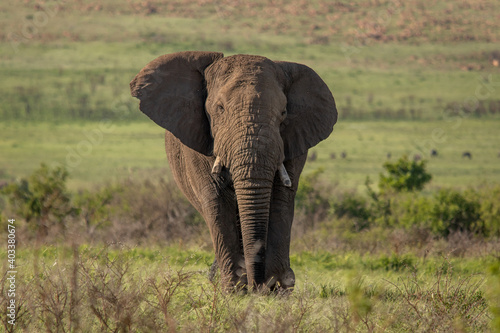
(283, 113)
(220, 109)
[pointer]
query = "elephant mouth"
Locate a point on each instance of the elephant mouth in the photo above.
(285, 178)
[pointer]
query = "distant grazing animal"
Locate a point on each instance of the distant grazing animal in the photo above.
(467, 154)
(313, 156)
(417, 157)
(389, 155)
(434, 153)
(334, 156)
(3, 184)
(343, 155)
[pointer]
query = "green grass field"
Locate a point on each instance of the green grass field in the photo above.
(407, 77)
(90, 81)
(77, 63)
(95, 153)
(76, 66)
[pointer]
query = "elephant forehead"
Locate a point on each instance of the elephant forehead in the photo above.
(249, 95)
(246, 77)
(250, 82)
(243, 60)
(246, 67)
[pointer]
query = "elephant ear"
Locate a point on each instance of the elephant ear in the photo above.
(171, 92)
(311, 110)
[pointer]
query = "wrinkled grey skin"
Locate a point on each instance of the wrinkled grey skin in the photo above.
(253, 114)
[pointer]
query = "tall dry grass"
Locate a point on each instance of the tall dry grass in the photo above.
(89, 290)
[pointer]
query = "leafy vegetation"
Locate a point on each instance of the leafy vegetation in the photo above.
(404, 175)
(42, 200)
(453, 211)
(146, 210)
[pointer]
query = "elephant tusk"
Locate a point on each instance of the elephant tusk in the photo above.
(284, 176)
(217, 168)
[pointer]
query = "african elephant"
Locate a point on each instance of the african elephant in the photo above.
(237, 133)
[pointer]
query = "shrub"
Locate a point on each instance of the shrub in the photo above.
(404, 175)
(312, 201)
(415, 211)
(452, 211)
(447, 304)
(381, 206)
(95, 207)
(42, 199)
(490, 209)
(353, 207)
(132, 210)
(448, 211)
(153, 211)
(309, 195)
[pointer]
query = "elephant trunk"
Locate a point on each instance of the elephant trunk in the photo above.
(253, 171)
(253, 204)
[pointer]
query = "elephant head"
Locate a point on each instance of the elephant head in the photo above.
(248, 111)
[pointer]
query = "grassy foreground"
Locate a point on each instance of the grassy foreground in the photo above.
(145, 289)
(134, 256)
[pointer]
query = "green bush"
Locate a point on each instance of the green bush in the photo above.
(446, 212)
(414, 210)
(355, 208)
(490, 209)
(42, 199)
(454, 211)
(404, 175)
(312, 201)
(310, 196)
(155, 211)
(131, 210)
(95, 207)
(380, 206)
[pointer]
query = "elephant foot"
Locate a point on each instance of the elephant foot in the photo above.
(233, 282)
(236, 282)
(282, 282)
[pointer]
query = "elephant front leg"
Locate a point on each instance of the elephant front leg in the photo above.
(221, 218)
(279, 274)
(212, 196)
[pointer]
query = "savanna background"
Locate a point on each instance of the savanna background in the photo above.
(387, 238)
